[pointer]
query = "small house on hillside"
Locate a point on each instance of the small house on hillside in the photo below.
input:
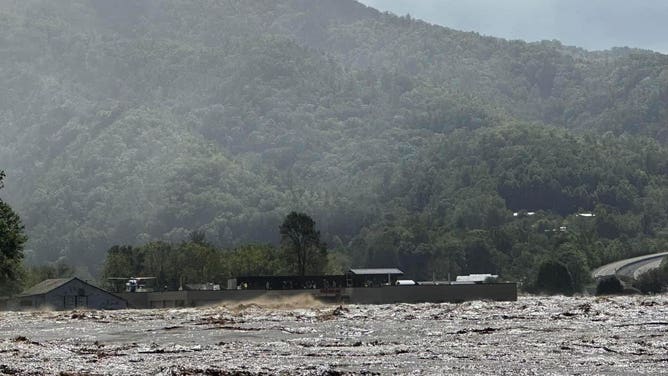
(64, 294)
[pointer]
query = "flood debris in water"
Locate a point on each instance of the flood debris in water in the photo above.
(535, 335)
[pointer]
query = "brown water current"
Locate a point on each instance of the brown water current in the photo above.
(533, 336)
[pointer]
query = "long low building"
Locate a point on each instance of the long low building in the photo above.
(386, 294)
(357, 286)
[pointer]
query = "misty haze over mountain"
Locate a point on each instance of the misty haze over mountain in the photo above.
(592, 24)
(411, 145)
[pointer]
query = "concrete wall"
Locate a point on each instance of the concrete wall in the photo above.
(371, 295)
(434, 294)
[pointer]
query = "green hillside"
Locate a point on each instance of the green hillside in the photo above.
(409, 144)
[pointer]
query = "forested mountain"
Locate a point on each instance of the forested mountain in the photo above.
(410, 144)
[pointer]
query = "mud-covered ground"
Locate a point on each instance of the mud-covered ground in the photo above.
(533, 336)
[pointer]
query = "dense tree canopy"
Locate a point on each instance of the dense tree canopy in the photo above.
(411, 145)
(302, 246)
(12, 239)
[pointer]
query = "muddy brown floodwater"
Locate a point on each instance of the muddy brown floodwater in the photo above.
(533, 336)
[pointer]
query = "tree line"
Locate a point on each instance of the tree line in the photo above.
(196, 261)
(558, 260)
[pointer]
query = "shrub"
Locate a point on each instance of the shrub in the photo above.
(652, 282)
(609, 286)
(554, 278)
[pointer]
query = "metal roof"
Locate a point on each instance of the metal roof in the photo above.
(376, 271)
(46, 286)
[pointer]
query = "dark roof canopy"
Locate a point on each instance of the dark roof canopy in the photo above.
(383, 271)
(46, 286)
(49, 285)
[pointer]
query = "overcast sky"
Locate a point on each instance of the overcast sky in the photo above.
(592, 24)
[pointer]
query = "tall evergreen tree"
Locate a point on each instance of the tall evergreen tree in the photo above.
(12, 239)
